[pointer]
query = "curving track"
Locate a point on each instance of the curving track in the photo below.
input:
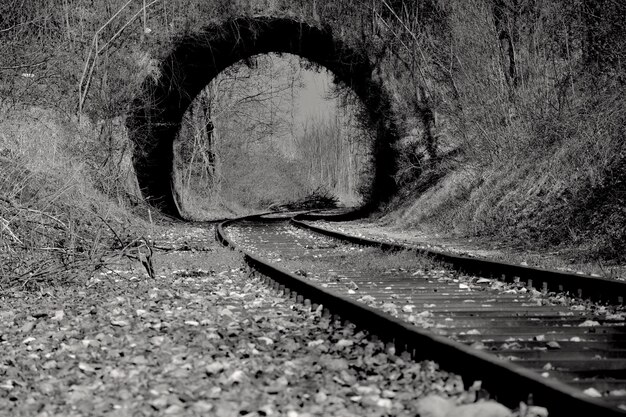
(518, 340)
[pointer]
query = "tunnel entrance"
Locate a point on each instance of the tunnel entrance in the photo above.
(198, 58)
(271, 133)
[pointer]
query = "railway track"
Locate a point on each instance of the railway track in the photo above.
(563, 352)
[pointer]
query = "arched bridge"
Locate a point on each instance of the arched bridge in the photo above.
(198, 57)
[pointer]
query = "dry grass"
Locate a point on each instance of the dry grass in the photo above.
(56, 223)
(560, 184)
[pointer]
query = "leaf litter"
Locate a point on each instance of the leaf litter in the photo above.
(213, 341)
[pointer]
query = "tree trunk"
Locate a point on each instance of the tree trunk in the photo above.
(423, 108)
(506, 40)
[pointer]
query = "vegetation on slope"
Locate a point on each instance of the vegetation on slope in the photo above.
(527, 142)
(512, 110)
(58, 217)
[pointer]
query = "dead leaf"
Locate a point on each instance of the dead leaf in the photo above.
(7, 385)
(28, 340)
(553, 345)
(157, 340)
(214, 368)
(265, 340)
(334, 364)
(58, 315)
(139, 360)
(434, 406)
(344, 343)
(86, 368)
(202, 407)
(315, 343)
(384, 403)
(589, 323)
(28, 327)
(321, 397)
(236, 377)
(592, 392)
(481, 409)
(159, 403)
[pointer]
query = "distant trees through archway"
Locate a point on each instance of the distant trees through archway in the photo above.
(271, 131)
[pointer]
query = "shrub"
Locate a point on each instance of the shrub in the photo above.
(56, 223)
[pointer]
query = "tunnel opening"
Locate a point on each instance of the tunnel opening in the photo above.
(272, 132)
(197, 58)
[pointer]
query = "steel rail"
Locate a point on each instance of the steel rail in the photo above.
(583, 286)
(508, 382)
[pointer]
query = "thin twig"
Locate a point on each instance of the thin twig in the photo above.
(24, 65)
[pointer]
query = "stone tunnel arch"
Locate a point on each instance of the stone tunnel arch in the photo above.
(197, 58)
